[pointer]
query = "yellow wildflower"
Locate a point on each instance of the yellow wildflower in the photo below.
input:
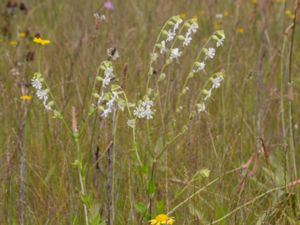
(13, 43)
(41, 41)
(182, 15)
(226, 13)
(254, 2)
(25, 97)
(21, 35)
(289, 14)
(218, 25)
(240, 30)
(162, 219)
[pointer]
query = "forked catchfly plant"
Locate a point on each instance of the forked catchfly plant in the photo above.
(110, 96)
(42, 93)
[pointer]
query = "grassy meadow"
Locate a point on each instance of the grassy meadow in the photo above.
(149, 112)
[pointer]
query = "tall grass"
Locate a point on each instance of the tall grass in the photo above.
(228, 159)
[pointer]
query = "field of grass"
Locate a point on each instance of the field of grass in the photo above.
(123, 140)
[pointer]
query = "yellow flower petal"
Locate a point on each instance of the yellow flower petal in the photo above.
(41, 41)
(171, 221)
(13, 43)
(162, 219)
(153, 222)
(21, 35)
(240, 30)
(25, 97)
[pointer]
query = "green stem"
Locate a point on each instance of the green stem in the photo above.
(81, 179)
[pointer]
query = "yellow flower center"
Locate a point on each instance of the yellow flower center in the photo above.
(161, 217)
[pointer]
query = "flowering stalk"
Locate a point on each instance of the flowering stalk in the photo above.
(199, 65)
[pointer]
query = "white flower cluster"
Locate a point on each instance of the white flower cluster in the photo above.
(42, 94)
(175, 53)
(108, 73)
(175, 22)
(187, 38)
(215, 83)
(219, 37)
(113, 99)
(192, 29)
(171, 33)
(143, 110)
(210, 53)
(107, 100)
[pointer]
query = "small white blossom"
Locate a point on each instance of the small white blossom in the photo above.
(175, 53)
(36, 83)
(48, 107)
(110, 105)
(187, 40)
(163, 48)
(108, 75)
(131, 123)
(201, 107)
(194, 27)
(42, 95)
(105, 112)
(171, 35)
(15, 71)
(220, 42)
(210, 53)
(219, 16)
(177, 24)
(216, 82)
(198, 67)
(99, 17)
(143, 110)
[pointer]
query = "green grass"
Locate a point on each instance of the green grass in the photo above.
(254, 109)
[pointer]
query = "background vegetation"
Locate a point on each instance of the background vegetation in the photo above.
(236, 164)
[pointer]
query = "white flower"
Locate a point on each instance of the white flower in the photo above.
(194, 27)
(171, 35)
(131, 123)
(175, 53)
(105, 112)
(199, 66)
(42, 95)
(220, 42)
(108, 75)
(99, 17)
(201, 107)
(210, 53)
(110, 105)
(187, 40)
(47, 107)
(216, 82)
(163, 48)
(219, 16)
(36, 83)
(143, 110)
(176, 26)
